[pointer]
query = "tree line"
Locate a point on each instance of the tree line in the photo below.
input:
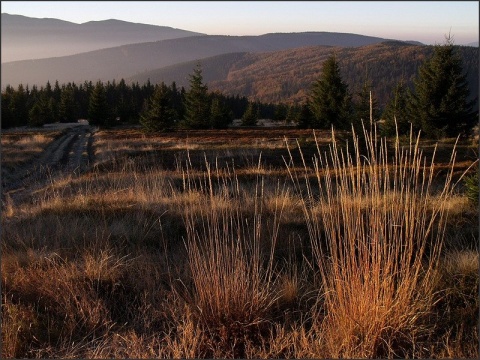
(156, 107)
(437, 104)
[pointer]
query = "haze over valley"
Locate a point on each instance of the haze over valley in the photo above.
(272, 67)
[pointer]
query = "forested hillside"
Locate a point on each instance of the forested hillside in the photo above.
(286, 76)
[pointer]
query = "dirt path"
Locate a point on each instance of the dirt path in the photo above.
(71, 153)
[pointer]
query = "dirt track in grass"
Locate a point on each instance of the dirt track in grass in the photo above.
(69, 153)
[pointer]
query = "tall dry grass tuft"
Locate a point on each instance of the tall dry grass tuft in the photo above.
(376, 237)
(233, 284)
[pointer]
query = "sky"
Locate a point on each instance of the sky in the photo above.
(425, 21)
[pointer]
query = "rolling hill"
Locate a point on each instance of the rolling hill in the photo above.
(25, 38)
(128, 60)
(270, 68)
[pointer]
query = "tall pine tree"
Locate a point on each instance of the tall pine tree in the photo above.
(98, 108)
(197, 105)
(250, 117)
(304, 117)
(439, 105)
(366, 105)
(37, 116)
(159, 114)
(292, 114)
(67, 106)
(19, 106)
(329, 101)
(396, 115)
(8, 117)
(220, 115)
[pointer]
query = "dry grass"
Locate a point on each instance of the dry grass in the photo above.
(165, 250)
(457, 306)
(233, 281)
(20, 148)
(377, 238)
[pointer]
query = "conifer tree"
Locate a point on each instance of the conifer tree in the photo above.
(7, 115)
(178, 99)
(281, 111)
(19, 106)
(304, 117)
(250, 117)
(37, 114)
(53, 110)
(292, 114)
(197, 106)
(329, 101)
(57, 91)
(98, 108)
(439, 105)
(366, 105)
(396, 112)
(67, 106)
(159, 114)
(123, 104)
(220, 115)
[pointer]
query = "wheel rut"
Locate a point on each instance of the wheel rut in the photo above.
(69, 154)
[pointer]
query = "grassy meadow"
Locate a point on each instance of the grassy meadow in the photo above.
(244, 243)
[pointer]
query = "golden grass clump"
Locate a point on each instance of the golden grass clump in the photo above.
(233, 284)
(377, 239)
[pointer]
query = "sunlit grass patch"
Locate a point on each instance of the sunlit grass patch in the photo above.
(20, 148)
(377, 238)
(213, 251)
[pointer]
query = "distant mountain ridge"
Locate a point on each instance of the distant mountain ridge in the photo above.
(276, 67)
(128, 60)
(25, 38)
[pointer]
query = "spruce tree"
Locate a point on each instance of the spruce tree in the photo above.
(159, 114)
(292, 114)
(329, 101)
(280, 113)
(19, 106)
(37, 114)
(97, 108)
(250, 117)
(8, 117)
(220, 115)
(396, 112)
(177, 97)
(366, 106)
(197, 106)
(124, 108)
(67, 106)
(304, 117)
(439, 105)
(57, 91)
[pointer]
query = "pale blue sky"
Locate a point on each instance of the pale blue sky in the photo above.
(427, 21)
